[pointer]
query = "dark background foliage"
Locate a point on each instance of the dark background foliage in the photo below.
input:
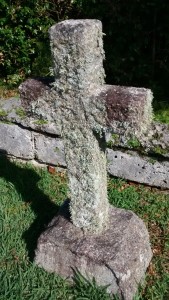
(136, 41)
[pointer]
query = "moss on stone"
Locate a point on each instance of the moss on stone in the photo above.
(152, 161)
(6, 122)
(160, 150)
(114, 140)
(56, 149)
(41, 122)
(3, 113)
(133, 142)
(110, 144)
(20, 112)
(162, 115)
(115, 137)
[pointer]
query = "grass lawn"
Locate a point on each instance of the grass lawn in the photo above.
(30, 197)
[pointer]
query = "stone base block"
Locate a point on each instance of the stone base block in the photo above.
(118, 257)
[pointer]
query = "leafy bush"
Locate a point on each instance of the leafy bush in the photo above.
(22, 26)
(24, 47)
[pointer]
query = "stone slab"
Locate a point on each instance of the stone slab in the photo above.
(154, 142)
(138, 168)
(118, 257)
(128, 109)
(38, 115)
(16, 141)
(49, 150)
(31, 89)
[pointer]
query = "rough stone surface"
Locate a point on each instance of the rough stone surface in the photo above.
(49, 150)
(39, 115)
(128, 108)
(77, 51)
(31, 89)
(118, 257)
(133, 167)
(16, 141)
(154, 142)
(42, 104)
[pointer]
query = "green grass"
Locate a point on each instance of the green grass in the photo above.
(152, 205)
(30, 198)
(161, 111)
(6, 91)
(162, 115)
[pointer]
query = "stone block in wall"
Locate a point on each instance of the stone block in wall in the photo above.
(42, 102)
(137, 168)
(49, 150)
(16, 141)
(12, 110)
(154, 142)
(31, 89)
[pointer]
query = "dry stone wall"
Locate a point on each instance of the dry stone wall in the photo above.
(29, 138)
(30, 130)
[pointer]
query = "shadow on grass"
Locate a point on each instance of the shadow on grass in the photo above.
(25, 181)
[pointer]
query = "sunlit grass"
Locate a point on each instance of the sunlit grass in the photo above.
(30, 198)
(6, 91)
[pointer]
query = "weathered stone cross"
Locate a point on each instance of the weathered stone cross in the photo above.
(109, 244)
(87, 108)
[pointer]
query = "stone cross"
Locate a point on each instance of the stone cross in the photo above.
(109, 244)
(86, 110)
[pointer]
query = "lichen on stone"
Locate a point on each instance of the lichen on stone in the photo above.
(77, 50)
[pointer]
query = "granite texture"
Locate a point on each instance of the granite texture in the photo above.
(49, 150)
(31, 89)
(131, 166)
(15, 143)
(38, 115)
(118, 257)
(128, 108)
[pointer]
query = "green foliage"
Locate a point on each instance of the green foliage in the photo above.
(162, 115)
(24, 47)
(87, 289)
(21, 27)
(136, 39)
